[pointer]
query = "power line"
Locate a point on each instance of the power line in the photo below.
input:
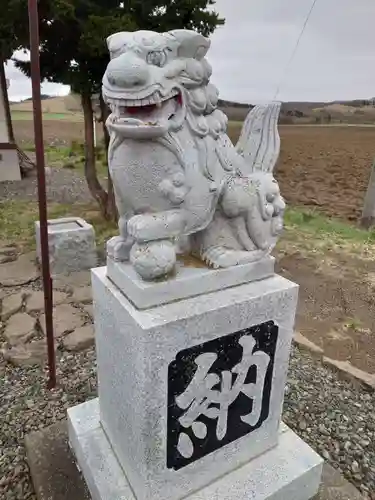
(295, 49)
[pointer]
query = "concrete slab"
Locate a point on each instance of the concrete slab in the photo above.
(56, 476)
(52, 467)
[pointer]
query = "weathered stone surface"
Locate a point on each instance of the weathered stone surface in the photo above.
(140, 345)
(348, 370)
(66, 318)
(21, 271)
(19, 329)
(10, 305)
(305, 343)
(34, 353)
(52, 467)
(72, 244)
(82, 294)
(35, 300)
(291, 469)
(71, 280)
(55, 474)
(81, 338)
(233, 207)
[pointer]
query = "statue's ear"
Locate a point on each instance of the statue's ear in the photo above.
(191, 44)
(117, 42)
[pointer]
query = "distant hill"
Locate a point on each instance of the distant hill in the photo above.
(356, 111)
(64, 104)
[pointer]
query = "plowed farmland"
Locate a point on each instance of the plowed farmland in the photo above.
(322, 167)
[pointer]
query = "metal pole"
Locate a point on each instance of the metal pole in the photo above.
(39, 149)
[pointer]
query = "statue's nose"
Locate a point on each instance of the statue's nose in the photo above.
(127, 71)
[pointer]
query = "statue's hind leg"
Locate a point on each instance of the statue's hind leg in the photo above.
(220, 245)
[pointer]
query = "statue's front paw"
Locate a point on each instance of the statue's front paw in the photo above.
(118, 249)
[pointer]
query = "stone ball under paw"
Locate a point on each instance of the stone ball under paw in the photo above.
(154, 259)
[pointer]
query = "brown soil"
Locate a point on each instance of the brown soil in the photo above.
(336, 305)
(320, 167)
(325, 168)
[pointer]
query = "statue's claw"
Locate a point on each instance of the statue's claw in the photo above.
(223, 257)
(118, 249)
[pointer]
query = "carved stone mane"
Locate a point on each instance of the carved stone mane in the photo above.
(180, 184)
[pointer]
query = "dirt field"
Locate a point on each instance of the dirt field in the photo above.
(320, 167)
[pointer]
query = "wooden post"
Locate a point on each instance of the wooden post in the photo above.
(368, 214)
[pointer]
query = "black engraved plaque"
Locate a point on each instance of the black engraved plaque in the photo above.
(219, 391)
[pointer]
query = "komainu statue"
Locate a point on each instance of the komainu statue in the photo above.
(180, 184)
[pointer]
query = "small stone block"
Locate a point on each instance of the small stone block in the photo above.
(290, 470)
(189, 281)
(72, 244)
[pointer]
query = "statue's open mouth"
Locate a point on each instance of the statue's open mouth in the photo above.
(149, 116)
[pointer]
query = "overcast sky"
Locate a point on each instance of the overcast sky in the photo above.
(250, 55)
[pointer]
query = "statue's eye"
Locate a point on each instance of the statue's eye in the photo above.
(157, 58)
(270, 197)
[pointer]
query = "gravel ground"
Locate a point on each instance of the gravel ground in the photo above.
(63, 186)
(334, 416)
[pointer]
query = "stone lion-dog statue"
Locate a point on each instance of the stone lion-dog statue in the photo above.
(180, 184)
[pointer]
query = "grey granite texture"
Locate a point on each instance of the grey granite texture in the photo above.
(291, 470)
(134, 350)
(189, 281)
(56, 476)
(72, 245)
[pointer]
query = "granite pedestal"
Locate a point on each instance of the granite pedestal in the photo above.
(72, 245)
(190, 397)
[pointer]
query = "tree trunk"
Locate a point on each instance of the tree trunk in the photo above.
(104, 112)
(368, 214)
(3, 86)
(93, 183)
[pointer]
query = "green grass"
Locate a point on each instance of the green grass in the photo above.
(17, 220)
(312, 222)
(304, 230)
(311, 232)
(73, 157)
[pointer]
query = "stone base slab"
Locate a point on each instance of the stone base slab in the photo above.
(141, 356)
(291, 470)
(189, 281)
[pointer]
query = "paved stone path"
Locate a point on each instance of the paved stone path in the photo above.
(22, 321)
